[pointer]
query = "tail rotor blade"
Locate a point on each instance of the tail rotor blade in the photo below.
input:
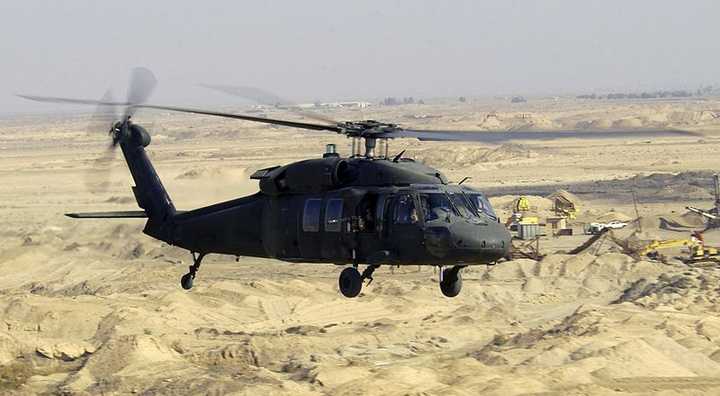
(142, 84)
(104, 115)
(97, 178)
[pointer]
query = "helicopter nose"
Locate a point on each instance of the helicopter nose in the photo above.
(465, 242)
(487, 243)
(496, 243)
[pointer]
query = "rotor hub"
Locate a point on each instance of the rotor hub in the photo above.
(366, 128)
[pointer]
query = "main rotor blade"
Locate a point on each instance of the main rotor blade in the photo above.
(294, 124)
(503, 136)
(263, 97)
(53, 99)
(142, 84)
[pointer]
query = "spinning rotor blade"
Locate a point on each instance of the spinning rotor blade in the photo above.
(142, 84)
(104, 116)
(504, 136)
(96, 178)
(294, 124)
(263, 97)
(53, 99)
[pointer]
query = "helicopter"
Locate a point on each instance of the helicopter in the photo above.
(368, 208)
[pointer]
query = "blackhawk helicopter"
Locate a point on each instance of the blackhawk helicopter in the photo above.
(365, 209)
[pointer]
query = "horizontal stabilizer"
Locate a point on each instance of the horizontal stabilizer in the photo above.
(129, 214)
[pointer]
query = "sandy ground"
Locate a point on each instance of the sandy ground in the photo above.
(90, 307)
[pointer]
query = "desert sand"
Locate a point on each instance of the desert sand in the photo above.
(95, 306)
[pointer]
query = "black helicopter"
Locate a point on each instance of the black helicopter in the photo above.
(367, 208)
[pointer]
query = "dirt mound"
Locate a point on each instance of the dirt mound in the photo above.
(660, 180)
(613, 216)
(687, 220)
(197, 173)
(537, 203)
(507, 152)
(600, 123)
(563, 277)
(694, 289)
(630, 122)
(120, 200)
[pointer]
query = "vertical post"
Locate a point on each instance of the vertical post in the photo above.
(716, 179)
(637, 212)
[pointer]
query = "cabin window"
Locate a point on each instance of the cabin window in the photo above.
(405, 211)
(333, 215)
(311, 215)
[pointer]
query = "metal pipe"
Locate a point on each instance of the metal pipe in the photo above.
(370, 147)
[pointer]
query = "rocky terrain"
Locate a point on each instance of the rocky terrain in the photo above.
(94, 307)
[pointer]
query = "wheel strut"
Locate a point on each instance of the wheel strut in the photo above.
(187, 280)
(367, 274)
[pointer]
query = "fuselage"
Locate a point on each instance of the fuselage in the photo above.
(355, 210)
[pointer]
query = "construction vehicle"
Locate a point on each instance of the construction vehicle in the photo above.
(704, 213)
(565, 204)
(520, 207)
(522, 204)
(713, 215)
(695, 244)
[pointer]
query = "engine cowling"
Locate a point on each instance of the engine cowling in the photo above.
(308, 176)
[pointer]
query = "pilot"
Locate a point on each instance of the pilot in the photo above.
(368, 219)
(414, 215)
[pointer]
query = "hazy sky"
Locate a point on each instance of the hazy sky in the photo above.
(305, 50)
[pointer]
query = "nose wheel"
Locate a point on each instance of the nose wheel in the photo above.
(451, 281)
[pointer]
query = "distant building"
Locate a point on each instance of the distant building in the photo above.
(335, 105)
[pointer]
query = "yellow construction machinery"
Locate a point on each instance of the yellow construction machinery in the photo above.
(695, 245)
(522, 204)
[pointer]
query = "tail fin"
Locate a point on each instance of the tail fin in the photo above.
(149, 191)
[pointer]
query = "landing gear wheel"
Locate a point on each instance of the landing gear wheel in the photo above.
(187, 281)
(350, 282)
(451, 282)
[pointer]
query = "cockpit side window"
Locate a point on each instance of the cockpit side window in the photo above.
(435, 205)
(462, 205)
(405, 211)
(483, 205)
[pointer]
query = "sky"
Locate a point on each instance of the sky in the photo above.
(324, 50)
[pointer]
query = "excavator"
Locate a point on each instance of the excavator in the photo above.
(696, 245)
